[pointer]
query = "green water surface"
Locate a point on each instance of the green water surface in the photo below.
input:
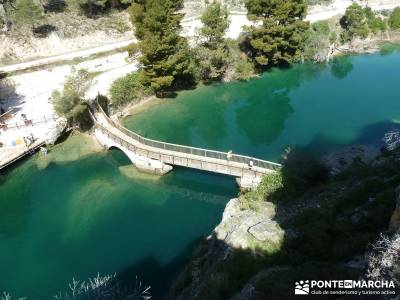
(76, 219)
(352, 100)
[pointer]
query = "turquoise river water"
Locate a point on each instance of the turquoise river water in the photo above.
(76, 218)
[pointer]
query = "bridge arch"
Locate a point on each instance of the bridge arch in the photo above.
(122, 149)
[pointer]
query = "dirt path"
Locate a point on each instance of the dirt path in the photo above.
(65, 57)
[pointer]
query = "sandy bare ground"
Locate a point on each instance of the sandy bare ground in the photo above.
(65, 57)
(31, 97)
(113, 67)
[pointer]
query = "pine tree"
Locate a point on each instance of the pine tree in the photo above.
(394, 19)
(215, 21)
(212, 53)
(165, 58)
(279, 37)
(354, 23)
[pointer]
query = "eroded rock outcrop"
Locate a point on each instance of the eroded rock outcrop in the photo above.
(56, 131)
(241, 228)
(240, 231)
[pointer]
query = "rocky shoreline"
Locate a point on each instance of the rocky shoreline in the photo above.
(248, 249)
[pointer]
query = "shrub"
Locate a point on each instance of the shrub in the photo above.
(384, 259)
(210, 64)
(333, 37)
(376, 24)
(303, 170)
(28, 14)
(354, 23)
(394, 19)
(70, 102)
(132, 49)
(2, 22)
(317, 40)
(270, 184)
(128, 89)
(244, 68)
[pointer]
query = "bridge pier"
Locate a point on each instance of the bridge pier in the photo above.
(144, 164)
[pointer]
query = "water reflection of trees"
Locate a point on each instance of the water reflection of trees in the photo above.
(341, 66)
(262, 118)
(259, 107)
(186, 122)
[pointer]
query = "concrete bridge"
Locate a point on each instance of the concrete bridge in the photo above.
(158, 157)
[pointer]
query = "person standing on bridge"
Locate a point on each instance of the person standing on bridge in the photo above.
(229, 155)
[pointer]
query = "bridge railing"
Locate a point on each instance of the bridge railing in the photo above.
(192, 150)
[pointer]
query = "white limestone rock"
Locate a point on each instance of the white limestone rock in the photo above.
(55, 131)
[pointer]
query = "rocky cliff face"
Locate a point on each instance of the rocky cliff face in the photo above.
(322, 233)
(246, 230)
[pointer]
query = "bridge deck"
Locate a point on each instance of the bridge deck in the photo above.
(197, 158)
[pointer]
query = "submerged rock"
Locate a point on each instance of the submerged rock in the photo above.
(340, 160)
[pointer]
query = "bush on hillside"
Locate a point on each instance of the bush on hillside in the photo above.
(384, 259)
(70, 101)
(129, 89)
(317, 40)
(303, 170)
(375, 23)
(132, 49)
(354, 23)
(270, 184)
(394, 19)
(211, 64)
(239, 64)
(28, 14)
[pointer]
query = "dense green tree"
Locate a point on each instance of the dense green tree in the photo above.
(70, 101)
(354, 23)
(28, 14)
(375, 23)
(215, 21)
(212, 52)
(394, 19)
(279, 39)
(166, 58)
